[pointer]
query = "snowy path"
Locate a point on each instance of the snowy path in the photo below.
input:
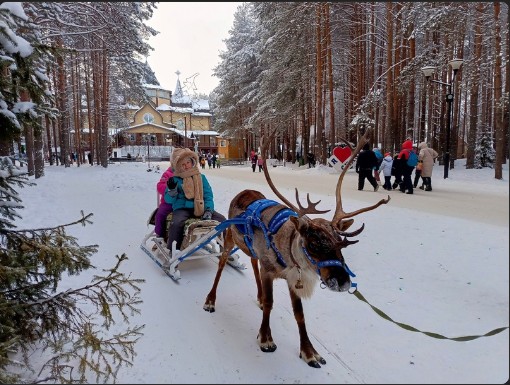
(436, 261)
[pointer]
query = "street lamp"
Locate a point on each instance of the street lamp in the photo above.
(427, 72)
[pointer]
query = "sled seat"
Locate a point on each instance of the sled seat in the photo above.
(194, 228)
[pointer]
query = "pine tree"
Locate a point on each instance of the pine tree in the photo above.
(484, 152)
(34, 314)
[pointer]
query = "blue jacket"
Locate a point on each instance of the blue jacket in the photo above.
(178, 200)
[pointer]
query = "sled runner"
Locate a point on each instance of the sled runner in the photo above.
(202, 238)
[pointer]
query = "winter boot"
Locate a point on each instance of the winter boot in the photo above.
(429, 185)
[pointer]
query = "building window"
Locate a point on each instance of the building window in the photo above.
(223, 143)
(148, 118)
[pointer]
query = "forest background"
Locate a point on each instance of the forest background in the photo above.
(314, 72)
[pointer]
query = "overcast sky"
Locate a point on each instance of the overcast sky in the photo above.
(190, 40)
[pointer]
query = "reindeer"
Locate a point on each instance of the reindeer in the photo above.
(287, 244)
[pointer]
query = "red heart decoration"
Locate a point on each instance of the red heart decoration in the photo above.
(342, 153)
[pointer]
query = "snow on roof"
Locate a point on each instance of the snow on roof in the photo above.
(182, 99)
(200, 104)
(153, 86)
(205, 133)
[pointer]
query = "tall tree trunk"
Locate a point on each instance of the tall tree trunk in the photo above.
(105, 137)
(28, 132)
(319, 126)
(411, 96)
(332, 128)
(96, 92)
(63, 123)
(90, 120)
(475, 86)
(506, 111)
(391, 124)
(76, 110)
(498, 115)
(38, 152)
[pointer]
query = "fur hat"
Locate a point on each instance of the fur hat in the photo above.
(180, 154)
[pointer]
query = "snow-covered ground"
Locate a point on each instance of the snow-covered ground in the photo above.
(438, 261)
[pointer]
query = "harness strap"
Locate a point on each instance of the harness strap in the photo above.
(252, 216)
(280, 218)
(331, 262)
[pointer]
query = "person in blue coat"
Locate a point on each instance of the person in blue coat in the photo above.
(189, 193)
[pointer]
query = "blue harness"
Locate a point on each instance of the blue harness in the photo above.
(252, 217)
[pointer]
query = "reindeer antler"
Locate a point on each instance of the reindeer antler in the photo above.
(339, 212)
(310, 209)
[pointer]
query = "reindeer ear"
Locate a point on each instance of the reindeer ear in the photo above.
(300, 223)
(345, 224)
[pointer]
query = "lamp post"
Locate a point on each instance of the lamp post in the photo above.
(427, 72)
(148, 152)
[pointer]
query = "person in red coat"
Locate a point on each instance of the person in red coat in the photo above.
(403, 156)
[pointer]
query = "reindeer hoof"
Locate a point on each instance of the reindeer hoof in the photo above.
(209, 307)
(315, 361)
(268, 349)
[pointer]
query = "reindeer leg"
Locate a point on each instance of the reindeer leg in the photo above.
(256, 272)
(307, 351)
(264, 337)
(228, 245)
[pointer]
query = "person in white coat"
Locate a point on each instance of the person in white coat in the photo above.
(385, 170)
(427, 157)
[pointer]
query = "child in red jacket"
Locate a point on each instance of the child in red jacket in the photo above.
(164, 208)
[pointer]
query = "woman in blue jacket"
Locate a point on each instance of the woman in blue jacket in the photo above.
(189, 193)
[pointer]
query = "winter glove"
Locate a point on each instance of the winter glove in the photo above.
(207, 216)
(171, 183)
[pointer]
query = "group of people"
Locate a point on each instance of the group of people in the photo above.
(256, 160)
(212, 160)
(372, 163)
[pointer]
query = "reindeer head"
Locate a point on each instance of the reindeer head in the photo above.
(322, 241)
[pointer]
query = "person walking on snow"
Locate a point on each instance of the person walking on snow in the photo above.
(366, 163)
(260, 162)
(427, 157)
(385, 170)
(403, 156)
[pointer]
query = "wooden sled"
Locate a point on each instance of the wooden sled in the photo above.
(202, 239)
